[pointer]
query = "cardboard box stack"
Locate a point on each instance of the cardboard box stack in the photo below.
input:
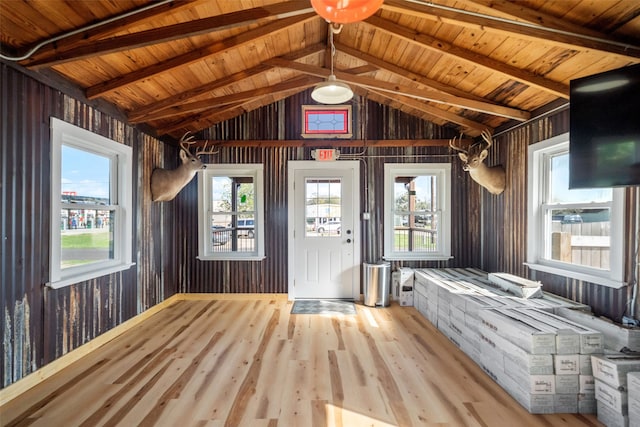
(612, 389)
(541, 359)
(402, 286)
(633, 386)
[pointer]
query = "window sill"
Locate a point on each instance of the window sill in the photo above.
(231, 258)
(88, 276)
(591, 278)
(407, 257)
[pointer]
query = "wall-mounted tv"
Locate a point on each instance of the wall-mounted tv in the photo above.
(604, 139)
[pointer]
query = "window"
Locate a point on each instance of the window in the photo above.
(326, 121)
(417, 211)
(574, 233)
(230, 212)
(91, 205)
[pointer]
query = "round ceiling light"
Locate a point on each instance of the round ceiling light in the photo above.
(332, 92)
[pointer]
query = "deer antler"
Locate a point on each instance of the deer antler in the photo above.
(188, 141)
(203, 150)
(452, 141)
(487, 137)
(185, 141)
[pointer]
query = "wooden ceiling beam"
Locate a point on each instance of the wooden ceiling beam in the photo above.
(406, 74)
(204, 89)
(432, 96)
(250, 36)
(216, 115)
(111, 28)
(446, 48)
(172, 32)
(469, 127)
(564, 36)
(301, 82)
(336, 143)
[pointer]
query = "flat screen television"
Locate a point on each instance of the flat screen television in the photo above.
(604, 138)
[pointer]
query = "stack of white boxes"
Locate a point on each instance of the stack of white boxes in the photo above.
(402, 286)
(611, 372)
(541, 359)
(633, 386)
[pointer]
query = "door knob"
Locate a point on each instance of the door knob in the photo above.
(348, 240)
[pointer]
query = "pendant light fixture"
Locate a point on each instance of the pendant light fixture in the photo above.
(332, 91)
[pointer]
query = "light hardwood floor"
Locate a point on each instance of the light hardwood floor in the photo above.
(252, 363)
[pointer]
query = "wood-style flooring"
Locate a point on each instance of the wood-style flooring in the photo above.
(252, 363)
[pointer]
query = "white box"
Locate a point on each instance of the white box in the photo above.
(587, 384)
(612, 397)
(633, 388)
(530, 364)
(565, 403)
(609, 417)
(567, 384)
(585, 364)
(518, 286)
(587, 403)
(613, 368)
(566, 364)
(530, 338)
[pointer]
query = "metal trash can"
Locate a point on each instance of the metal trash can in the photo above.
(377, 283)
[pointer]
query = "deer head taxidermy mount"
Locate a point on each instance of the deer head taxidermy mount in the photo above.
(491, 178)
(166, 184)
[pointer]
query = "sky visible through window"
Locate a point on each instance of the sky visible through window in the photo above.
(84, 173)
(560, 191)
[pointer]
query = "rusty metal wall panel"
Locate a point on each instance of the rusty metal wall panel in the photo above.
(505, 221)
(41, 324)
(270, 275)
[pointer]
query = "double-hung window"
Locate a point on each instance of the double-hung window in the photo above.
(576, 233)
(230, 212)
(91, 205)
(417, 211)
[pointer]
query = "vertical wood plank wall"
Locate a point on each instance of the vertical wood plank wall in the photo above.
(40, 324)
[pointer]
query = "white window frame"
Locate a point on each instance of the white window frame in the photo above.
(63, 133)
(538, 154)
(443, 173)
(255, 171)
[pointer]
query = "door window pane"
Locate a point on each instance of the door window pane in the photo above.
(323, 213)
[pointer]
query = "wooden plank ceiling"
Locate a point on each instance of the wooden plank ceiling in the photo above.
(185, 65)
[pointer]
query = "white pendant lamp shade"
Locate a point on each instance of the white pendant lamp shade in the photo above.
(332, 92)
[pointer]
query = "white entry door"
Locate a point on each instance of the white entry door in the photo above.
(324, 230)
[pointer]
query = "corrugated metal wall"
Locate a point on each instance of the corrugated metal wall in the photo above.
(41, 324)
(270, 275)
(505, 221)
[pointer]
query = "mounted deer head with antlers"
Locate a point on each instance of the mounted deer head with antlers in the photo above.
(166, 184)
(491, 178)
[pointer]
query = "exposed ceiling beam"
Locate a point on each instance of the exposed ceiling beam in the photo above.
(406, 74)
(301, 83)
(250, 36)
(443, 47)
(172, 32)
(519, 11)
(191, 94)
(470, 127)
(337, 143)
(112, 27)
(433, 96)
(207, 118)
(567, 39)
